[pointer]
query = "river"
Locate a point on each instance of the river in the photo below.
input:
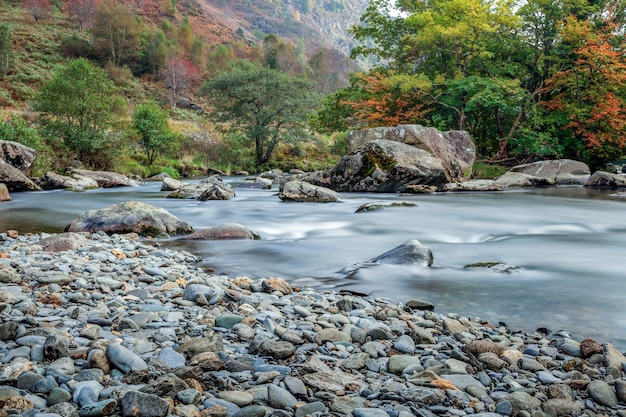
(567, 242)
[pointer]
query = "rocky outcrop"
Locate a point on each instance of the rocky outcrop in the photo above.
(54, 181)
(411, 252)
(14, 179)
(518, 179)
(382, 166)
(130, 217)
(223, 232)
(103, 178)
(561, 171)
(4, 193)
(603, 179)
(212, 188)
(20, 156)
(302, 191)
(455, 148)
(259, 183)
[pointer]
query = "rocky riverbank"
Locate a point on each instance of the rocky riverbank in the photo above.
(96, 325)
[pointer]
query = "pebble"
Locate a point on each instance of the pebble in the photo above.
(141, 331)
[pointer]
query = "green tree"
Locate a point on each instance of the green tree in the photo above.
(117, 33)
(78, 106)
(5, 48)
(268, 105)
(150, 123)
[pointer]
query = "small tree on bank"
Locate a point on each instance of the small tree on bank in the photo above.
(78, 105)
(267, 104)
(155, 136)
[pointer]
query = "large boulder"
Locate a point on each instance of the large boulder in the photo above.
(54, 181)
(411, 253)
(103, 178)
(382, 166)
(561, 171)
(455, 148)
(223, 232)
(14, 179)
(603, 179)
(130, 217)
(20, 156)
(302, 191)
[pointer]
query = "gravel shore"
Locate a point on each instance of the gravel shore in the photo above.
(94, 325)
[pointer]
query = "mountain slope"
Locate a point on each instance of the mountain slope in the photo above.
(317, 22)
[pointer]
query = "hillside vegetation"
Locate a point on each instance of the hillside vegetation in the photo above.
(190, 86)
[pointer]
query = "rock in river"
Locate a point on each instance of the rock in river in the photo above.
(130, 217)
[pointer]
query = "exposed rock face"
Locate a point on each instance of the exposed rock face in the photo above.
(103, 178)
(383, 166)
(302, 191)
(223, 232)
(562, 171)
(4, 193)
(20, 156)
(411, 252)
(14, 179)
(54, 181)
(455, 148)
(130, 217)
(603, 179)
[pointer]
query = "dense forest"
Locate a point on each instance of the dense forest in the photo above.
(148, 86)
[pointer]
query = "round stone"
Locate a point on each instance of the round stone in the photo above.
(602, 393)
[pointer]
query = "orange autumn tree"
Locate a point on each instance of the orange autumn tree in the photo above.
(591, 93)
(388, 100)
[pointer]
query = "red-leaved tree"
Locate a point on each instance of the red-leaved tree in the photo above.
(38, 9)
(591, 93)
(179, 76)
(82, 11)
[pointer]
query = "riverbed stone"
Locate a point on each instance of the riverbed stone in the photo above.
(345, 351)
(139, 404)
(125, 359)
(602, 393)
(223, 232)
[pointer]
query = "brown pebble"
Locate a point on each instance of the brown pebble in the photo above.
(276, 284)
(13, 234)
(216, 411)
(590, 347)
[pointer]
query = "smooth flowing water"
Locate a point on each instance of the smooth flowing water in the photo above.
(568, 243)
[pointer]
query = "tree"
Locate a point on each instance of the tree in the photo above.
(591, 92)
(117, 31)
(388, 100)
(179, 76)
(5, 48)
(78, 106)
(38, 9)
(82, 11)
(150, 123)
(268, 105)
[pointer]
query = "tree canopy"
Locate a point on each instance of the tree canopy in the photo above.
(268, 105)
(78, 106)
(540, 78)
